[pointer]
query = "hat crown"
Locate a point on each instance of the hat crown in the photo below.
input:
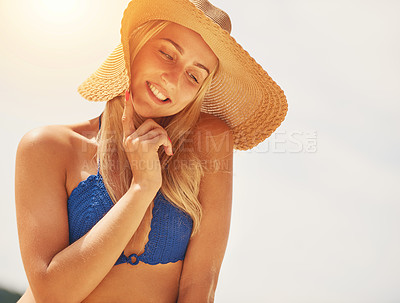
(214, 13)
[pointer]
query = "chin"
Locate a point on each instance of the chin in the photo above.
(146, 112)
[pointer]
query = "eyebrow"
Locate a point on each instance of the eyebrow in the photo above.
(181, 51)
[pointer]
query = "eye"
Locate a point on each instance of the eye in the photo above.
(193, 77)
(169, 57)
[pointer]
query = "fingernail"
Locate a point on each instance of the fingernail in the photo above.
(172, 153)
(127, 95)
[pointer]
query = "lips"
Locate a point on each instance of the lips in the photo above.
(156, 92)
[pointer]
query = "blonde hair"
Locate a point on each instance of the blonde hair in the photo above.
(181, 173)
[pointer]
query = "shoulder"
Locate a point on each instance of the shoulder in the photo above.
(211, 125)
(43, 149)
(213, 137)
(41, 164)
(46, 139)
(58, 139)
(47, 134)
(56, 143)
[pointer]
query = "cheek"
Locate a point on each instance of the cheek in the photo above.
(142, 63)
(187, 93)
(186, 89)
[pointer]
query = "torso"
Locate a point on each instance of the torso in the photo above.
(124, 283)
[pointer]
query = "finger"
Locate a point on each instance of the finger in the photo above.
(151, 134)
(155, 133)
(127, 116)
(129, 112)
(147, 126)
(150, 125)
(164, 141)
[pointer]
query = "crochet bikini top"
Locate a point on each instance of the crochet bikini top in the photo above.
(170, 227)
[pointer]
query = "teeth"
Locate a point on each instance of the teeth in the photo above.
(156, 92)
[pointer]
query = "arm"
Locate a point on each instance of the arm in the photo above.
(57, 271)
(206, 249)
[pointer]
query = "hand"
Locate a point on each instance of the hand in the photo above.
(141, 147)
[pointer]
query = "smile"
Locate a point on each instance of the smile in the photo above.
(160, 96)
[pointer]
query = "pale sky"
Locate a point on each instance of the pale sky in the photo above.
(316, 207)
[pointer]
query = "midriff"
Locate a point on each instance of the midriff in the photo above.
(139, 283)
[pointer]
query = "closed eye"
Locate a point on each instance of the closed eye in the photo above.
(169, 57)
(193, 77)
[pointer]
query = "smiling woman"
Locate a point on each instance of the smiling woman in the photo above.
(140, 197)
(173, 72)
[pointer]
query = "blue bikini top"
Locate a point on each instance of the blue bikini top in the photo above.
(170, 227)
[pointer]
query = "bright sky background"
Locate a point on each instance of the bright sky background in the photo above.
(316, 207)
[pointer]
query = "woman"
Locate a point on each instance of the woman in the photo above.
(106, 215)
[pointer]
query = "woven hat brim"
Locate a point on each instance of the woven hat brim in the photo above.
(108, 81)
(242, 93)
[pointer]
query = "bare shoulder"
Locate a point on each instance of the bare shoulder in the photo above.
(213, 137)
(212, 124)
(56, 141)
(51, 141)
(49, 134)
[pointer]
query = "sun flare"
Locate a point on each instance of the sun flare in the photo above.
(57, 9)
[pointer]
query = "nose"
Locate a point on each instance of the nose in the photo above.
(170, 77)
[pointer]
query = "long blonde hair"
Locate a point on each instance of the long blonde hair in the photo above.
(181, 173)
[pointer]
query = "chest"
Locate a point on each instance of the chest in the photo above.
(162, 236)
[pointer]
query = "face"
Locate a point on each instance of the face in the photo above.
(169, 70)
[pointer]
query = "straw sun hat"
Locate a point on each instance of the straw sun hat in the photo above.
(242, 94)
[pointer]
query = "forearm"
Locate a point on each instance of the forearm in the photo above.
(197, 293)
(196, 296)
(75, 271)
